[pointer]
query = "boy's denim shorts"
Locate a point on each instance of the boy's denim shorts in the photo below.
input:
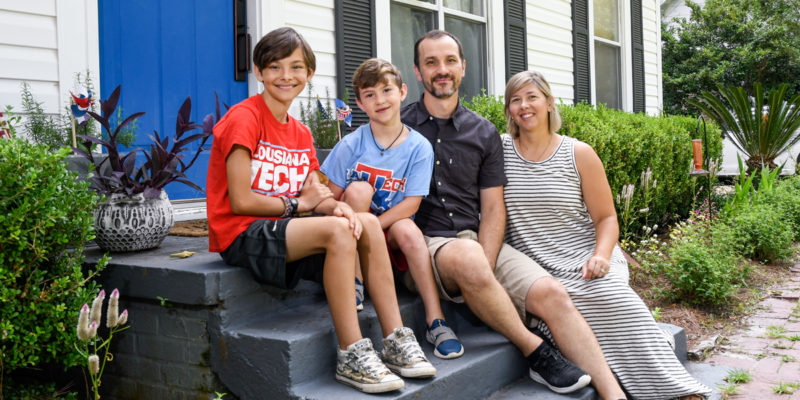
(262, 249)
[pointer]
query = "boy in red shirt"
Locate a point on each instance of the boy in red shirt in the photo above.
(260, 178)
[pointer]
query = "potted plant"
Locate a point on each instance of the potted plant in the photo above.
(136, 214)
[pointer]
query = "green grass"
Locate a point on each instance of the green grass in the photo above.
(775, 331)
(737, 376)
(787, 358)
(785, 388)
(729, 389)
(793, 338)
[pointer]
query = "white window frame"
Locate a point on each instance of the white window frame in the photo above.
(493, 20)
(626, 78)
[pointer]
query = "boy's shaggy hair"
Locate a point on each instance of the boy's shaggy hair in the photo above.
(281, 43)
(372, 71)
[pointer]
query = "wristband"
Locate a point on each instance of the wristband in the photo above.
(294, 205)
(287, 207)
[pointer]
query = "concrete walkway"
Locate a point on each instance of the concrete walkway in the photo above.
(769, 346)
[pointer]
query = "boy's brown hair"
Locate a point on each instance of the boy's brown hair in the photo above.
(281, 43)
(372, 71)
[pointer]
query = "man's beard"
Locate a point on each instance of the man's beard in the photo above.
(431, 87)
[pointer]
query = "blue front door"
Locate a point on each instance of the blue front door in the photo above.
(161, 52)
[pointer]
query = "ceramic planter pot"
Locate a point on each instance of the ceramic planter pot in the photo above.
(125, 223)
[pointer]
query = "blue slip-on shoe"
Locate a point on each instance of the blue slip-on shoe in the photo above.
(445, 343)
(359, 295)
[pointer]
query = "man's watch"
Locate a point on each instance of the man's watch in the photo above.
(293, 205)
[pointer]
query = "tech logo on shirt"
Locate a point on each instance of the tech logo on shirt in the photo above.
(381, 179)
(276, 170)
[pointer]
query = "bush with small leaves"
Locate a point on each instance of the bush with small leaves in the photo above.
(45, 219)
(765, 234)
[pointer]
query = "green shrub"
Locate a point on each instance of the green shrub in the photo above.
(630, 143)
(45, 219)
(323, 127)
(488, 106)
(767, 235)
(701, 273)
(786, 199)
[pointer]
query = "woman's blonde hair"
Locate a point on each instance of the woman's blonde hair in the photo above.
(521, 80)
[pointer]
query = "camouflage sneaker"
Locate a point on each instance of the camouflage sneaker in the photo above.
(402, 354)
(360, 367)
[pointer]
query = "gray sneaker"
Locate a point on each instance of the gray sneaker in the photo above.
(403, 355)
(360, 367)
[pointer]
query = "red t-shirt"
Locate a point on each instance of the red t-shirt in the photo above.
(281, 155)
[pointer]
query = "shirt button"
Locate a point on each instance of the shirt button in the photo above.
(451, 214)
(438, 140)
(437, 162)
(442, 199)
(430, 118)
(439, 183)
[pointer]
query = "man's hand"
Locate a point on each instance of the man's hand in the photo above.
(312, 193)
(596, 267)
(343, 210)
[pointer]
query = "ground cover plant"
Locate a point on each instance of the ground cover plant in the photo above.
(709, 260)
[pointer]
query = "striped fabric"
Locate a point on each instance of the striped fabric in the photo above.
(549, 222)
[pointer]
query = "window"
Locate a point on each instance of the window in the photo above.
(466, 19)
(607, 53)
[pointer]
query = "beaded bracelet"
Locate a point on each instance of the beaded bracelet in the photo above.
(287, 207)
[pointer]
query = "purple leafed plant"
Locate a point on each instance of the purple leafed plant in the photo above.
(164, 161)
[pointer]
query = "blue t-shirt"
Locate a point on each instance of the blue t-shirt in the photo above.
(404, 170)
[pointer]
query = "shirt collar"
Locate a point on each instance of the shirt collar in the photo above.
(458, 116)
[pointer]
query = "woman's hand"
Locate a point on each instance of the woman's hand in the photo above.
(343, 210)
(596, 267)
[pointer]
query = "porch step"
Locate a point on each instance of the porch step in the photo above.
(291, 354)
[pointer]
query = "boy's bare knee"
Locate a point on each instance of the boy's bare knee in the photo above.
(338, 234)
(358, 193)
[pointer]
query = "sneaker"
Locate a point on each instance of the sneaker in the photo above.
(445, 343)
(359, 295)
(402, 354)
(360, 367)
(550, 368)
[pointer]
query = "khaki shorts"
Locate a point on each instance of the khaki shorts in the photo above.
(515, 271)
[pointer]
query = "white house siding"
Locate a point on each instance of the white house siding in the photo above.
(549, 29)
(314, 19)
(45, 43)
(651, 33)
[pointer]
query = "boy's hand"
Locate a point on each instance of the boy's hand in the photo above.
(343, 210)
(312, 193)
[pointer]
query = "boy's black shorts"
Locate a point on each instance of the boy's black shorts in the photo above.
(262, 249)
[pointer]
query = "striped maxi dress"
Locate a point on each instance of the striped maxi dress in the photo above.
(549, 222)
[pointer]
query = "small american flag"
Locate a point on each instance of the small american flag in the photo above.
(343, 112)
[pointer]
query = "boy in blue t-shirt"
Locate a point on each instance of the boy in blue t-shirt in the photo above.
(385, 167)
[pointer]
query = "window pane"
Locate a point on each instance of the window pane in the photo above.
(473, 40)
(606, 19)
(470, 6)
(607, 75)
(408, 24)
